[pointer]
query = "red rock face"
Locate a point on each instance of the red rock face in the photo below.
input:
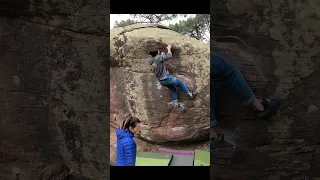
(164, 123)
(116, 100)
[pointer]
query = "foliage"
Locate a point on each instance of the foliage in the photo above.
(153, 18)
(195, 27)
(124, 23)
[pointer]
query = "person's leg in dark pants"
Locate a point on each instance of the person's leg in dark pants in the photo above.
(222, 70)
(171, 82)
(184, 88)
(174, 92)
(182, 85)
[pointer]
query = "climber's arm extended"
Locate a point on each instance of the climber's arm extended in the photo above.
(168, 55)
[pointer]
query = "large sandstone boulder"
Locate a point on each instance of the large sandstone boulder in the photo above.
(135, 90)
(283, 38)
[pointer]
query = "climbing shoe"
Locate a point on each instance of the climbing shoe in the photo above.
(179, 107)
(270, 105)
(194, 96)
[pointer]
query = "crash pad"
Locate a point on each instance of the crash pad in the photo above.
(179, 157)
(205, 149)
(152, 159)
(201, 158)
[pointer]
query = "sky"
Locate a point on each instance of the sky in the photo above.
(120, 17)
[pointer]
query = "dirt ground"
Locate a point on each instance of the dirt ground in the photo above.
(145, 146)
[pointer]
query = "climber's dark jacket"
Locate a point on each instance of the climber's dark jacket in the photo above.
(126, 148)
(159, 67)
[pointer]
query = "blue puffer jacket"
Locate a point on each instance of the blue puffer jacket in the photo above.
(126, 148)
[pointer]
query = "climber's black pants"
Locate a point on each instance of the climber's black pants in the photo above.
(171, 82)
(223, 71)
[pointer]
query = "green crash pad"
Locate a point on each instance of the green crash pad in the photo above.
(201, 158)
(152, 159)
(205, 149)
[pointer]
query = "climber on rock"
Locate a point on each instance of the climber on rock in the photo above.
(157, 61)
(222, 70)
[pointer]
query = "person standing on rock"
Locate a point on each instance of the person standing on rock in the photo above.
(157, 61)
(126, 146)
(222, 70)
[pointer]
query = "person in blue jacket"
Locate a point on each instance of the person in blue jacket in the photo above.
(126, 146)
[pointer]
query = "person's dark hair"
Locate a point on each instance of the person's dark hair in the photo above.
(129, 121)
(59, 172)
(153, 52)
